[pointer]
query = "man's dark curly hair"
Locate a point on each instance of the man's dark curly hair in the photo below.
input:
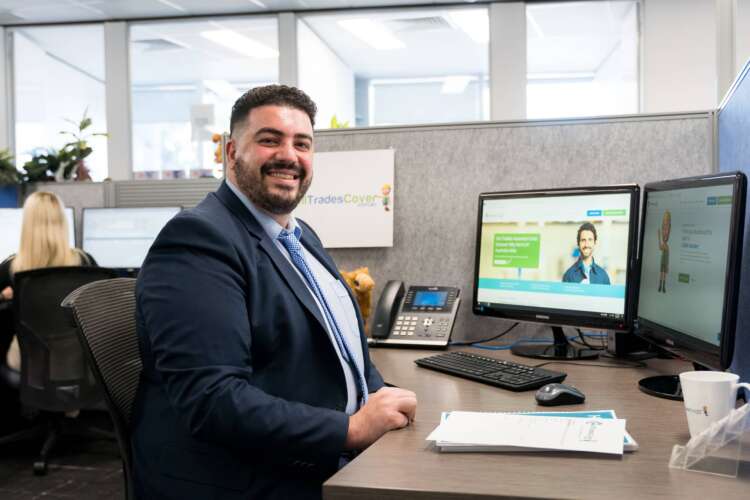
(275, 95)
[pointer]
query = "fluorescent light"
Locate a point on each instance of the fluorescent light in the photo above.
(532, 21)
(240, 44)
(372, 33)
(173, 5)
(473, 22)
(221, 88)
(455, 84)
(258, 3)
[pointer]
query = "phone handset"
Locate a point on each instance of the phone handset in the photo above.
(387, 309)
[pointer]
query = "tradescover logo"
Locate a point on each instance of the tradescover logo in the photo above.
(352, 199)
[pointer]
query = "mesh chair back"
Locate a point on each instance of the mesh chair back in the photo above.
(55, 375)
(105, 313)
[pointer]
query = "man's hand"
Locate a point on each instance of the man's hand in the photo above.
(7, 293)
(387, 409)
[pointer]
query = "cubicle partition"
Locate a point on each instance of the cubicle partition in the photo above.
(733, 148)
(440, 170)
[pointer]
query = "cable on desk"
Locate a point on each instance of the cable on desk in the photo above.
(635, 364)
(505, 347)
(583, 342)
(474, 342)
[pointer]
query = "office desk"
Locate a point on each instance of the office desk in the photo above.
(402, 465)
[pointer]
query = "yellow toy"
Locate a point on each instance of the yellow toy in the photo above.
(218, 154)
(361, 284)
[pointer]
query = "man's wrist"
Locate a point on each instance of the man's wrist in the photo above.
(353, 437)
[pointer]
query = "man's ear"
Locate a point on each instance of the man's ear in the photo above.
(231, 151)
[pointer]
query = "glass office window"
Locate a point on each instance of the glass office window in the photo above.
(58, 74)
(394, 67)
(582, 59)
(185, 77)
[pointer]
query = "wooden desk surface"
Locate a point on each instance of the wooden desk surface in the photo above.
(403, 465)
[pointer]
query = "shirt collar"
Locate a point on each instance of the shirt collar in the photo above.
(583, 266)
(272, 228)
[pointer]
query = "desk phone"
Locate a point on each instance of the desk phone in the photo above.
(421, 316)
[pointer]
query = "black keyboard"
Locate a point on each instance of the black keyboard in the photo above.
(500, 373)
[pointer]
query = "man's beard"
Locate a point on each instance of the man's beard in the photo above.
(250, 182)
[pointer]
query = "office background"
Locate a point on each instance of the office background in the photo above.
(150, 83)
(439, 172)
(148, 71)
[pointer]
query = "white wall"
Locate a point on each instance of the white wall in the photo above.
(679, 67)
(742, 33)
(325, 78)
(617, 78)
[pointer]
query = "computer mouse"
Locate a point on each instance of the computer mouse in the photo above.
(559, 394)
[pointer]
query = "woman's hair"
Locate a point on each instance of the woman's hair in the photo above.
(44, 235)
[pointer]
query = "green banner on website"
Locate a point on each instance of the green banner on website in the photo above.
(516, 250)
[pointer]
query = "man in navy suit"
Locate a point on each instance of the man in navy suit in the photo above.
(256, 381)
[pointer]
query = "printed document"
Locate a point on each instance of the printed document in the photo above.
(513, 431)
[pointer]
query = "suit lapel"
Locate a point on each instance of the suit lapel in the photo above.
(285, 268)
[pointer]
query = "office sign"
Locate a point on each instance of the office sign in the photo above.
(351, 201)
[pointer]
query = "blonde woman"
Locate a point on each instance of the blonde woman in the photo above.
(44, 243)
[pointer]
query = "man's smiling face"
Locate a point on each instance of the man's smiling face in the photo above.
(270, 159)
(586, 244)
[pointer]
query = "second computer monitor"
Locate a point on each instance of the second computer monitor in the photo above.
(121, 237)
(11, 220)
(561, 256)
(690, 258)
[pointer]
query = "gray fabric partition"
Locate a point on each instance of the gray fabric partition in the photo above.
(440, 170)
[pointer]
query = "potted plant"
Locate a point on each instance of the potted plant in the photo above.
(10, 178)
(42, 166)
(72, 155)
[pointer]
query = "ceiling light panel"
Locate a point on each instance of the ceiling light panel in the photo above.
(373, 33)
(240, 43)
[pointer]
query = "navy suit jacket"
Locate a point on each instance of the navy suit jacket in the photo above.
(242, 393)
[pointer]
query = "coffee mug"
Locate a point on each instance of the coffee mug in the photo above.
(709, 397)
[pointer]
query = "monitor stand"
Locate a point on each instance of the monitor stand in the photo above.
(560, 349)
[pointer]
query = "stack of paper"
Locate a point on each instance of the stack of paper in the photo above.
(588, 431)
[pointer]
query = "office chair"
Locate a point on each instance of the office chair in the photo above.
(55, 376)
(105, 314)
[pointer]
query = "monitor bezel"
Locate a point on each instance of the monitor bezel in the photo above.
(179, 208)
(686, 346)
(564, 317)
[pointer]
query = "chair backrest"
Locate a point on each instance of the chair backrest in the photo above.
(55, 375)
(105, 314)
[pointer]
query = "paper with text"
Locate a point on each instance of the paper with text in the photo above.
(534, 432)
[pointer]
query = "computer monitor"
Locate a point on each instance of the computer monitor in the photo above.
(121, 237)
(530, 265)
(690, 252)
(11, 220)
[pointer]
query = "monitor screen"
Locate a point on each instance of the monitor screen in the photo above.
(692, 229)
(121, 237)
(10, 227)
(561, 256)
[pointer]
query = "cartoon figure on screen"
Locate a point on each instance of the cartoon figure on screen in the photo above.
(386, 190)
(585, 270)
(663, 233)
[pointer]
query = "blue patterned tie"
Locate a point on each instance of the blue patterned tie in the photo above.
(293, 246)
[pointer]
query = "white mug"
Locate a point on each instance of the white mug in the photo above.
(709, 397)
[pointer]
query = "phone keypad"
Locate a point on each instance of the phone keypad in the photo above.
(421, 326)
